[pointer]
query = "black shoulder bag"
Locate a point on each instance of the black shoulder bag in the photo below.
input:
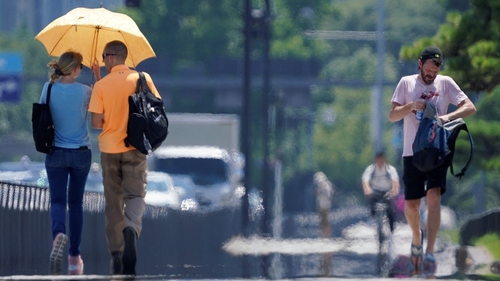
(43, 127)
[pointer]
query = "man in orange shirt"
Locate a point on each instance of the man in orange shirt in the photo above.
(124, 169)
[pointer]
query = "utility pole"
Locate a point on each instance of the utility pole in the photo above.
(265, 22)
(246, 131)
(377, 95)
(246, 114)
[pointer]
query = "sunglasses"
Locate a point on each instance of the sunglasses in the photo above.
(105, 55)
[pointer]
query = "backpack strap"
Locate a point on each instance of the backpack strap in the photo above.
(142, 83)
(142, 88)
(451, 145)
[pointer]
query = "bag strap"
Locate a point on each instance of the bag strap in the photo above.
(471, 155)
(142, 82)
(141, 88)
(47, 99)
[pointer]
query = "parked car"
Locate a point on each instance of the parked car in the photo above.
(24, 171)
(161, 191)
(214, 172)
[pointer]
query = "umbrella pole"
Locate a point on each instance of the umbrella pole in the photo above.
(93, 53)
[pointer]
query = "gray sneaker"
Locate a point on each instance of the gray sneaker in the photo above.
(57, 253)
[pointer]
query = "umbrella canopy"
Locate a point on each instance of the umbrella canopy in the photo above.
(87, 31)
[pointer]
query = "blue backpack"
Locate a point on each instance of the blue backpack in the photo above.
(434, 142)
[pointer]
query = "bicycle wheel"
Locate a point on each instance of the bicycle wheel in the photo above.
(383, 230)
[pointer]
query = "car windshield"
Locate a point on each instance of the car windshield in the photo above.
(157, 185)
(203, 171)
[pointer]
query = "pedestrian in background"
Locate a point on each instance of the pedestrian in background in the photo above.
(324, 198)
(410, 97)
(124, 168)
(381, 182)
(69, 164)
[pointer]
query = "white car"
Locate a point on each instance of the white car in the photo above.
(211, 169)
(161, 191)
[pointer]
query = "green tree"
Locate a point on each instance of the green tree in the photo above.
(471, 45)
(190, 33)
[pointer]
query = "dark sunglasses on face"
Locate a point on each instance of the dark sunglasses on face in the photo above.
(105, 55)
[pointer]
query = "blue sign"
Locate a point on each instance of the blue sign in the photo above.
(11, 62)
(10, 88)
(11, 68)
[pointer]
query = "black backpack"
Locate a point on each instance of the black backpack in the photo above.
(434, 142)
(147, 122)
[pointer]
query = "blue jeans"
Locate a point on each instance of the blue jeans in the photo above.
(60, 164)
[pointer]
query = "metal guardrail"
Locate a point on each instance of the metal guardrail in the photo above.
(172, 243)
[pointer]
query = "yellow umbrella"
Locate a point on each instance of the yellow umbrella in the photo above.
(87, 31)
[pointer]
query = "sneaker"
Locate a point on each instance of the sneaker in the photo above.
(429, 265)
(57, 253)
(129, 252)
(75, 265)
(116, 265)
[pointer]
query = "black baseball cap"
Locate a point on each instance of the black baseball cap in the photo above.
(431, 52)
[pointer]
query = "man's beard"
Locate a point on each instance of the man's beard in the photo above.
(428, 79)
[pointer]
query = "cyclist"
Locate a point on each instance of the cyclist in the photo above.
(380, 179)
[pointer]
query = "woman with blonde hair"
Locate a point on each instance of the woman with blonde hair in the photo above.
(69, 164)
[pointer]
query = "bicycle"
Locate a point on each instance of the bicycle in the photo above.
(381, 217)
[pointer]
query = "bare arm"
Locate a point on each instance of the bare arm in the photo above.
(399, 111)
(465, 108)
(96, 120)
(367, 190)
(395, 188)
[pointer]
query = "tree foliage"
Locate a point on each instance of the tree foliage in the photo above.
(471, 46)
(189, 33)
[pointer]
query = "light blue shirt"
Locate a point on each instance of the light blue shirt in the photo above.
(69, 105)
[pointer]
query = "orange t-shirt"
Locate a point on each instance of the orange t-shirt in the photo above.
(110, 97)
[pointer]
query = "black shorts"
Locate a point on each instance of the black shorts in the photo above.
(417, 183)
